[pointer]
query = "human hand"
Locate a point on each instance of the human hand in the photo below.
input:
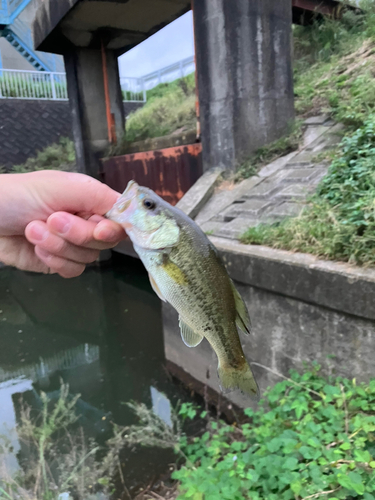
(52, 222)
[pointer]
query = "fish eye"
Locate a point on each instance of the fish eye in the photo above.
(149, 204)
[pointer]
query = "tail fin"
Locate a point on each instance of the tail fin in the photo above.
(238, 378)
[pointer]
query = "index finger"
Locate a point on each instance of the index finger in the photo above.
(85, 233)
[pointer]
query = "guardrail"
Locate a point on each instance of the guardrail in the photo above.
(169, 73)
(15, 84)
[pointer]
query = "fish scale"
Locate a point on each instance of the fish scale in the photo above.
(186, 271)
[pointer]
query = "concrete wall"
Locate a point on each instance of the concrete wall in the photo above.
(302, 310)
(29, 126)
(11, 59)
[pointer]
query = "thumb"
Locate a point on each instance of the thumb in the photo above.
(72, 192)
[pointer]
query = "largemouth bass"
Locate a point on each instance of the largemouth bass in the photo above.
(185, 270)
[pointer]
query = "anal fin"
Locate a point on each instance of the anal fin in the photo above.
(156, 288)
(189, 336)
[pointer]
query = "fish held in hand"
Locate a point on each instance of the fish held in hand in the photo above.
(185, 270)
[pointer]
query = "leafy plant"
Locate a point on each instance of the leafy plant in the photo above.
(310, 437)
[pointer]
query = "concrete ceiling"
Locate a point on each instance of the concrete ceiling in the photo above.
(121, 24)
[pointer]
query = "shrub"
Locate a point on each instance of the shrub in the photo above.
(59, 156)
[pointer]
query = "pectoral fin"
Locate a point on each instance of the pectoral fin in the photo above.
(242, 319)
(189, 336)
(156, 288)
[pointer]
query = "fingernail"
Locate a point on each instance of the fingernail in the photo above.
(38, 232)
(60, 224)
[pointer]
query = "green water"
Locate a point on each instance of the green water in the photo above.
(102, 334)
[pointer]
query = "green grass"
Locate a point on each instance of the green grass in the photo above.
(340, 221)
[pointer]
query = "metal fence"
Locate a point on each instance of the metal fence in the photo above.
(133, 89)
(15, 84)
(169, 73)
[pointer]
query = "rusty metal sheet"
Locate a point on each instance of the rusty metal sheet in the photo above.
(325, 7)
(169, 172)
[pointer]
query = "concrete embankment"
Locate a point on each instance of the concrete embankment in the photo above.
(303, 309)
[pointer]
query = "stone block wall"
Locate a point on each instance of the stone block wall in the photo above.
(27, 126)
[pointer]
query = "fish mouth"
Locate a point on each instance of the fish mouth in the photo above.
(117, 212)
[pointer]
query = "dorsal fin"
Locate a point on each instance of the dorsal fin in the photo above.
(189, 336)
(242, 319)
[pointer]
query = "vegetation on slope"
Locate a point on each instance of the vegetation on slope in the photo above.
(169, 107)
(339, 222)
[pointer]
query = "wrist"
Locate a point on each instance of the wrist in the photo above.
(12, 197)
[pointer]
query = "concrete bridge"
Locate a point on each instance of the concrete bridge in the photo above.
(243, 59)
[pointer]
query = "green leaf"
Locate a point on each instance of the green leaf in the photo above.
(290, 463)
(352, 481)
(346, 446)
(296, 487)
(362, 456)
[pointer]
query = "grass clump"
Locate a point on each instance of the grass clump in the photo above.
(311, 437)
(169, 107)
(60, 458)
(58, 156)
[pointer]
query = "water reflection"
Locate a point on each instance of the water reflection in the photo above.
(101, 333)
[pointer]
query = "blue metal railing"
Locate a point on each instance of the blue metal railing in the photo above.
(49, 62)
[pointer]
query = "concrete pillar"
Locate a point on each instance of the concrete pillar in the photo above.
(84, 71)
(245, 79)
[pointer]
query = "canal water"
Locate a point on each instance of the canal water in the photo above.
(100, 333)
